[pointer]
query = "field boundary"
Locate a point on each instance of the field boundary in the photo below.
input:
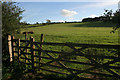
(32, 54)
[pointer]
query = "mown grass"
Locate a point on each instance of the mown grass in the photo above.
(75, 32)
(89, 32)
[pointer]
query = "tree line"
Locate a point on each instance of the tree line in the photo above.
(108, 16)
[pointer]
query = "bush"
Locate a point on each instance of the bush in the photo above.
(11, 16)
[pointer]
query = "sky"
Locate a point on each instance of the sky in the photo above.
(63, 11)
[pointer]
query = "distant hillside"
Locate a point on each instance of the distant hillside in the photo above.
(81, 24)
(94, 24)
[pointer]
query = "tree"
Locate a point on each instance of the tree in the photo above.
(108, 15)
(23, 23)
(48, 21)
(11, 16)
(36, 23)
(116, 20)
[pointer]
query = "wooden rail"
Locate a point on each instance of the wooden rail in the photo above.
(97, 60)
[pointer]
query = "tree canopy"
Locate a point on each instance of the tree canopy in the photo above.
(11, 16)
(108, 16)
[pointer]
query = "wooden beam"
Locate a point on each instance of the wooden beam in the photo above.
(40, 53)
(81, 45)
(13, 49)
(18, 45)
(32, 53)
(10, 48)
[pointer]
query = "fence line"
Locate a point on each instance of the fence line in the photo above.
(38, 58)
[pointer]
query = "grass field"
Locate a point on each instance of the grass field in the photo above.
(89, 32)
(94, 32)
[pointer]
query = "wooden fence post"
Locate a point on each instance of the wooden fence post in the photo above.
(40, 53)
(10, 47)
(41, 40)
(32, 52)
(13, 44)
(18, 45)
(26, 47)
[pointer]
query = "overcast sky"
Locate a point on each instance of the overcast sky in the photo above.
(63, 11)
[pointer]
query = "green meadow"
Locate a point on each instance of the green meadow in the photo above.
(25, 58)
(87, 32)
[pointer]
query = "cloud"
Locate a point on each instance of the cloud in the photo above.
(68, 13)
(92, 16)
(71, 18)
(58, 21)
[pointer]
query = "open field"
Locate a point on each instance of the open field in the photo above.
(94, 32)
(66, 41)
